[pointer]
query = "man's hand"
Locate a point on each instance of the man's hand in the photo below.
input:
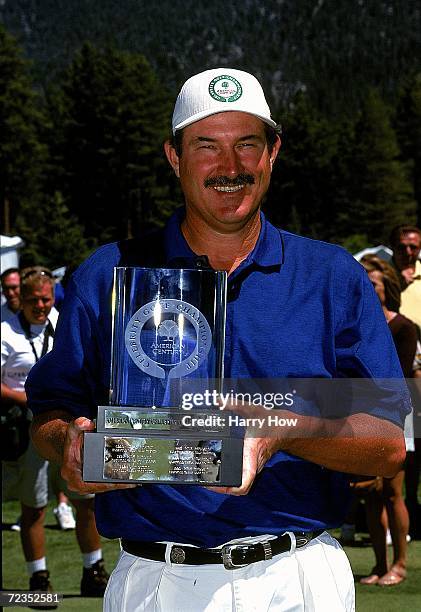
(256, 453)
(408, 275)
(59, 438)
(71, 469)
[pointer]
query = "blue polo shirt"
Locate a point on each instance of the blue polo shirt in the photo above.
(296, 308)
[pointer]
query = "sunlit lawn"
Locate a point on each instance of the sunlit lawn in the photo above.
(65, 565)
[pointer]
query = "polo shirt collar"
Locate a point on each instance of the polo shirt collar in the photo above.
(268, 251)
(269, 248)
(176, 245)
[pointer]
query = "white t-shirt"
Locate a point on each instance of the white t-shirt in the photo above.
(17, 356)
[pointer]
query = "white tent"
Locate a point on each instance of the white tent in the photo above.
(10, 246)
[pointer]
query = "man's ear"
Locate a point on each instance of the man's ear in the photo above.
(275, 150)
(172, 157)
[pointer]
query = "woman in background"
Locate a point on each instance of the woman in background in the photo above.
(385, 504)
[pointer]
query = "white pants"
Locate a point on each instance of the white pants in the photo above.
(315, 578)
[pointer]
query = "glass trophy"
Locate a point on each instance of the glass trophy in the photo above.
(163, 424)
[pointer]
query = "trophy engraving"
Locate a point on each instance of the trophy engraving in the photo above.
(168, 337)
(162, 459)
(168, 354)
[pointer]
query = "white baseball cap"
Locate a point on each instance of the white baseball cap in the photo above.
(217, 91)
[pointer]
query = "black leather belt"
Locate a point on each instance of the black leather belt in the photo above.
(231, 555)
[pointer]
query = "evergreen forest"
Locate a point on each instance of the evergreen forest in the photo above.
(87, 90)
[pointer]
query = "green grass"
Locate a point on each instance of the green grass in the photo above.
(405, 597)
(63, 557)
(65, 566)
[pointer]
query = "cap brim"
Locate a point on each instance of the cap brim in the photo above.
(208, 113)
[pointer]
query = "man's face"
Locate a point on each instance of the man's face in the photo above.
(37, 303)
(224, 168)
(11, 290)
(406, 251)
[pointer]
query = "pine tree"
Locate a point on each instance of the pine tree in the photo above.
(58, 240)
(302, 194)
(110, 120)
(408, 127)
(381, 194)
(22, 155)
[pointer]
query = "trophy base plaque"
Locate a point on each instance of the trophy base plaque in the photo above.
(162, 446)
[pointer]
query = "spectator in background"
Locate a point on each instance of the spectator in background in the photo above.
(26, 338)
(405, 241)
(10, 283)
(10, 286)
(387, 494)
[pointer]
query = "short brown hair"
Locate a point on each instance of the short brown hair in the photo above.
(392, 289)
(397, 232)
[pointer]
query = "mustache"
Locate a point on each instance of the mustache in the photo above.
(225, 181)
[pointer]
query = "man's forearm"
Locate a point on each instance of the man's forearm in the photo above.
(357, 444)
(48, 432)
(360, 444)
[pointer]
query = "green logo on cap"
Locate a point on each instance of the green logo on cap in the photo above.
(225, 88)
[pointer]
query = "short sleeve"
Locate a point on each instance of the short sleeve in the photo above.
(364, 345)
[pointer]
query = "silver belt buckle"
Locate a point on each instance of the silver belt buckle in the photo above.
(302, 540)
(227, 555)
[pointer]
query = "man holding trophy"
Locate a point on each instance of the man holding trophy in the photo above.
(219, 290)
